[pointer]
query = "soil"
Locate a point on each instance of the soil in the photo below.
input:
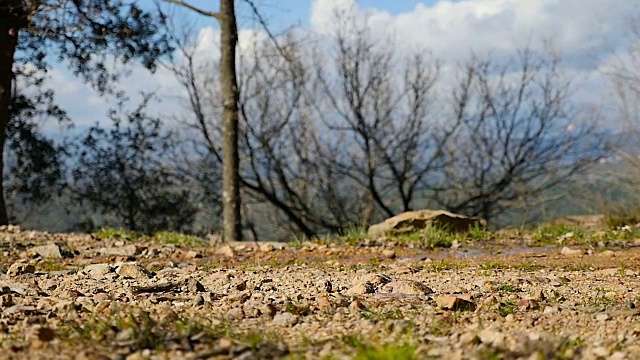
(74, 296)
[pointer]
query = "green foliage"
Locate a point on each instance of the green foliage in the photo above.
(548, 234)
(479, 233)
(491, 265)
(506, 307)
(174, 238)
(121, 171)
(619, 220)
(118, 234)
(387, 352)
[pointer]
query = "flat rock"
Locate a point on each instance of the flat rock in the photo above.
(132, 270)
(415, 220)
(48, 251)
(566, 251)
(97, 271)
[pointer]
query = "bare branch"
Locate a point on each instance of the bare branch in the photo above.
(198, 10)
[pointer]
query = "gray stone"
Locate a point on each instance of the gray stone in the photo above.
(48, 251)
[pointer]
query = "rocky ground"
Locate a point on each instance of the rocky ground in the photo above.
(114, 296)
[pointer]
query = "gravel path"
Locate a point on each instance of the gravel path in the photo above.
(79, 297)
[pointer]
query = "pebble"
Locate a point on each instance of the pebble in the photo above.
(285, 319)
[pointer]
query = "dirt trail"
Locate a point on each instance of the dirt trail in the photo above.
(79, 297)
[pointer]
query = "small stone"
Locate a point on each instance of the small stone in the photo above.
(97, 271)
(323, 303)
(192, 254)
(48, 251)
(356, 306)
(45, 334)
(491, 337)
(198, 300)
(618, 355)
(235, 314)
(469, 338)
(225, 343)
(266, 247)
(456, 303)
(285, 319)
(527, 304)
(21, 268)
(6, 301)
(608, 253)
(132, 270)
(601, 352)
(361, 289)
(602, 317)
(241, 285)
(226, 251)
(389, 254)
(550, 310)
(268, 310)
(538, 295)
(566, 251)
(194, 285)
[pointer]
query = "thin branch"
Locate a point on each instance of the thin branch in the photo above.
(212, 14)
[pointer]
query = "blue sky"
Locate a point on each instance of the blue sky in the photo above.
(587, 32)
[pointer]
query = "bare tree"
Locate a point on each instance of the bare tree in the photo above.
(522, 134)
(623, 174)
(385, 107)
(280, 138)
(232, 222)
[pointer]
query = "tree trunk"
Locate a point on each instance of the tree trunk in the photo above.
(231, 161)
(11, 21)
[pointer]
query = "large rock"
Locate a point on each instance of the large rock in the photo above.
(415, 220)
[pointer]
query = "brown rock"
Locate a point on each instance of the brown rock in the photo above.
(194, 285)
(21, 268)
(44, 334)
(323, 303)
(226, 251)
(268, 310)
(235, 314)
(456, 303)
(415, 220)
(132, 270)
(528, 304)
(389, 254)
(356, 306)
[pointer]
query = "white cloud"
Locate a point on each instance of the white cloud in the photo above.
(453, 29)
(581, 29)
